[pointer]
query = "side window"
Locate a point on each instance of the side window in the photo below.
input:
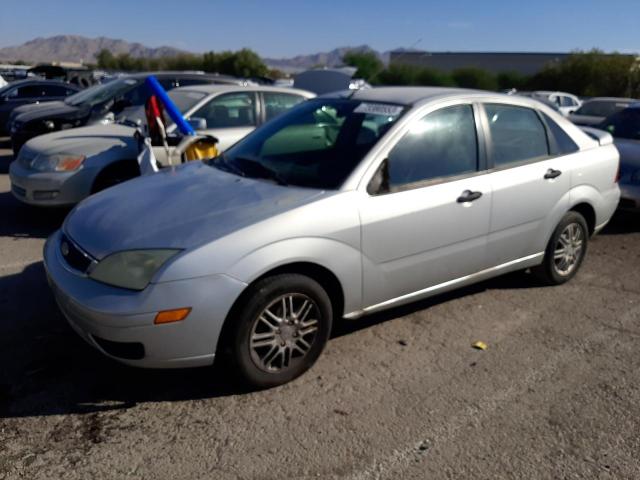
(229, 110)
(54, 91)
(138, 95)
(441, 144)
(564, 142)
(186, 82)
(277, 103)
(28, 91)
(517, 134)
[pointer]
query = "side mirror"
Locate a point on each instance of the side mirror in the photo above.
(198, 123)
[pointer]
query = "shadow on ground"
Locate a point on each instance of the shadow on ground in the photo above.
(49, 370)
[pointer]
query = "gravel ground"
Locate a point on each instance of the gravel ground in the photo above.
(397, 395)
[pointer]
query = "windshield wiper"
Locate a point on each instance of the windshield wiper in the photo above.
(260, 170)
(221, 163)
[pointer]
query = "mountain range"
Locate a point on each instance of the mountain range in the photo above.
(78, 49)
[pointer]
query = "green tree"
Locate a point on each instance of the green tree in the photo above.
(474, 78)
(105, 59)
(367, 63)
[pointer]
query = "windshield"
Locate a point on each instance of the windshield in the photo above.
(624, 124)
(101, 93)
(317, 144)
(185, 99)
(601, 108)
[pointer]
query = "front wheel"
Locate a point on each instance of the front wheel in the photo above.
(565, 251)
(280, 330)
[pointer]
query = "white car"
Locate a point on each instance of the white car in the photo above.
(62, 168)
(566, 102)
(3, 82)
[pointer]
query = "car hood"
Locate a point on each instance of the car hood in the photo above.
(586, 120)
(629, 154)
(47, 110)
(181, 208)
(88, 141)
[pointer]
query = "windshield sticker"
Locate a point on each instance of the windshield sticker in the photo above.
(378, 109)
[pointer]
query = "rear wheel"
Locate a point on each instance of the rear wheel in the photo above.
(565, 251)
(280, 330)
(114, 174)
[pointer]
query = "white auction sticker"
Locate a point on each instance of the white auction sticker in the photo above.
(378, 109)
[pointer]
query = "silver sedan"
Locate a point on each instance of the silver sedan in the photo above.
(345, 205)
(62, 168)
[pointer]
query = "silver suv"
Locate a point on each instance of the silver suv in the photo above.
(345, 205)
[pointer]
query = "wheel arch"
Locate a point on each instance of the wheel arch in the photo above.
(321, 274)
(588, 212)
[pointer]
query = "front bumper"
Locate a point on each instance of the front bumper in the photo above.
(53, 189)
(104, 315)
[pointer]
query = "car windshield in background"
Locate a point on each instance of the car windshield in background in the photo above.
(624, 124)
(101, 93)
(316, 144)
(599, 108)
(185, 99)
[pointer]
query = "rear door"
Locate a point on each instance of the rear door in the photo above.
(426, 218)
(529, 181)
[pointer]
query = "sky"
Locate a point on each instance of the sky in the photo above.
(284, 28)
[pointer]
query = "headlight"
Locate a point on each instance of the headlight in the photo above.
(57, 163)
(131, 269)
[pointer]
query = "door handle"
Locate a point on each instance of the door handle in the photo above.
(469, 196)
(551, 173)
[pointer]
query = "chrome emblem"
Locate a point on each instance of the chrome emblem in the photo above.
(64, 248)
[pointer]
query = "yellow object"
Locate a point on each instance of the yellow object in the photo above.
(200, 150)
(169, 316)
(480, 345)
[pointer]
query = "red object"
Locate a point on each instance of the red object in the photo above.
(155, 112)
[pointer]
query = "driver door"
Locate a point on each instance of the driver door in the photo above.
(427, 222)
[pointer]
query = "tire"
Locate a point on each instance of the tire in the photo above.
(280, 351)
(573, 230)
(115, 174)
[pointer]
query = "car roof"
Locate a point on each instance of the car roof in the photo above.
(44, 81)
(612, 99)
(213, 88)
(409, 95)
(171, 73)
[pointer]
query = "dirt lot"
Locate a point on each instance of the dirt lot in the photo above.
(397, 395)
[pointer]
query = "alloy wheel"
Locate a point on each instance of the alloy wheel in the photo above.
(568, 250)
(284, 332)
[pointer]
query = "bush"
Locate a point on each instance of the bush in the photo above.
(475, 78)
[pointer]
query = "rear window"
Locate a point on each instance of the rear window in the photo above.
(624, 124)
(600, 108)
(185, 99)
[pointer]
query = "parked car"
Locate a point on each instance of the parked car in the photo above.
(62, 168)
(595, 110)
(625, 128)
(31, 91)
(98, 104)
(347, 204)
(567, 103)
(3, 82)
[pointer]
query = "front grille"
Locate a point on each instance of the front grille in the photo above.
(19, 191)
(75, 258)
